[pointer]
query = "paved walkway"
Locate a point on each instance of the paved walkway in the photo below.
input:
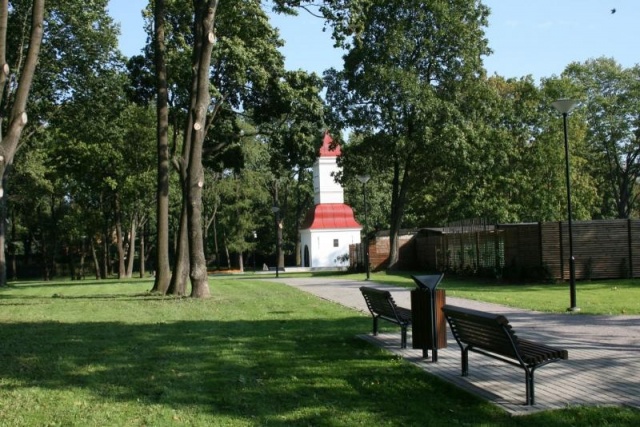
(604, 352)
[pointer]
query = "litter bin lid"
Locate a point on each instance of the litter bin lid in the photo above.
(428, 281)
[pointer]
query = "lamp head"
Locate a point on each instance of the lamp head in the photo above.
(363, 178)
(564, 106)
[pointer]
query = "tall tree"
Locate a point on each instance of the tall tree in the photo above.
(15, 101)
(81, 39)
(162, 263)
(234, 63)
(612, 107)
(291, 121)
(399, 87)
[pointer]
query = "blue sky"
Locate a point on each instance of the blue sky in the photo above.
(537, 37)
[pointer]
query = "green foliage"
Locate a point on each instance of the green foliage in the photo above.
(73, 110)
(408, 69)
(611, 97)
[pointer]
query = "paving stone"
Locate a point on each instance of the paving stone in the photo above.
(604, 353)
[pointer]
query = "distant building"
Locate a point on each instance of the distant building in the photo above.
(330, 226)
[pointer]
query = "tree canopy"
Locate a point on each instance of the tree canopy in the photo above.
(234, 133)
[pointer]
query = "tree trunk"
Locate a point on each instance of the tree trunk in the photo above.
(143, 248)
(398, 200)
(106, 269)
(122, 273)
(132, 247)
(83, 255)
(215, 242)
(17, 116)
(226, 252)
(3, 231)
(178, 285)
(181, 266)
(71, 263)
(210, 221)
(204, 40)
(46, 274)
(162, 264)
(96, 263)
(14, 263)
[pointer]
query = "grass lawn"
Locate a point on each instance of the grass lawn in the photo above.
(614, 297)
(255, 354)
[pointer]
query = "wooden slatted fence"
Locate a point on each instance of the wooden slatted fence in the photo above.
(603, 249)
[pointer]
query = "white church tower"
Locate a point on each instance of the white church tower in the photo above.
(329, 227)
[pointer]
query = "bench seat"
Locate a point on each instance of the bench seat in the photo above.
(382, 306)
(491, 335)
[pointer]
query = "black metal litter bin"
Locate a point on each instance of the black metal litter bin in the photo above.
(428, 326)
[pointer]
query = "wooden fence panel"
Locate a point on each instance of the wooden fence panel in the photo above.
(522, 245)
(634, 247)
(551, 249)
(603, 249)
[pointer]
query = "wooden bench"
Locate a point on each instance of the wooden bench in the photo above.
(491, 334)
(382, 306)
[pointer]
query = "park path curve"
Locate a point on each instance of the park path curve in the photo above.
(604, 352)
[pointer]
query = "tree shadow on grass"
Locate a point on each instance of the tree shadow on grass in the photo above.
(306, 371)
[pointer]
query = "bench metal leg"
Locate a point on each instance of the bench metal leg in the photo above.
(530, 388)
(375, 326)
(465, 362)
(403, 340)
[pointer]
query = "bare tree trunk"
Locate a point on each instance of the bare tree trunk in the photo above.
(398, 200)
(181, 266)
(215, 241)
(132, 246)
(96, 263)
(14, 263)
(204, 39)
(122, 273)
(46, 274)
(178, 285)
(18, 114)
(209, 222)
(143, 257)
(3, 243)
(162, 264)
(226, 252)
(83, 255)
(106, 265)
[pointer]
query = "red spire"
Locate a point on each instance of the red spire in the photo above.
(329, 149)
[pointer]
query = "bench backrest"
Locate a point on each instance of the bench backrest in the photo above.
(379, 301)
(488, 331)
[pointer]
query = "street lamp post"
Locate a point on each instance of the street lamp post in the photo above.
(364, 179)
(564, 107)
(276, 211)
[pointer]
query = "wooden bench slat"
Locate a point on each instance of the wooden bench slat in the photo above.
(382, 306)
(492, 335)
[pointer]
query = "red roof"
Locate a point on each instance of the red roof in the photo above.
(330, 215)
(329, 149)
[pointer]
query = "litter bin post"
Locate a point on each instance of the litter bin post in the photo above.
(428, 328)
(428, 282)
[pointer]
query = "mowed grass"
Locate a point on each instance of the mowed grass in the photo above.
(256, 353)
(611, 297)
